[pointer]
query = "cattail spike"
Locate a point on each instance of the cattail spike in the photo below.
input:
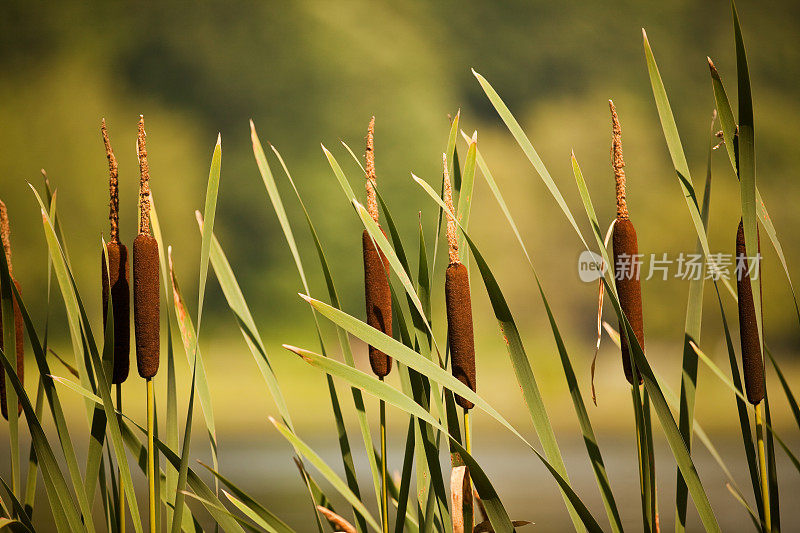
(113, 185)
(5, 233)
(752, 360)
(618, 163)
(452, 241)
(372, 200)
(144, 180)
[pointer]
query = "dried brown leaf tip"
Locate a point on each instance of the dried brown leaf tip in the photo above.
(113, 184)
(339, 524)
(369, 156)
(144, 179)
(618, 163)
(452, 240)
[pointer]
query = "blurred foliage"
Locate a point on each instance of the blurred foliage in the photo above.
(315, 71)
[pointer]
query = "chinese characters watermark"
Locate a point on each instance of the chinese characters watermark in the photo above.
(694, 266)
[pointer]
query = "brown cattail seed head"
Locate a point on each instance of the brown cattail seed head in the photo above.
(378, 298)
(5, 234)
(618, 163)
(369, 156)
(144, 179)
(19, 327)
(119, 290)
(459, 327)
(752, 361)
(146, 304)
(113, 185)
(629, 289)
(452, 240)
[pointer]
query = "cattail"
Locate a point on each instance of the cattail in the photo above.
(460, 336)
(377, 292)
(625, 251)
(752, 361)
(115, 277)
(145, 275)
(19, 326)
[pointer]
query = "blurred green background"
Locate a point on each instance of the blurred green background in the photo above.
(308, 72)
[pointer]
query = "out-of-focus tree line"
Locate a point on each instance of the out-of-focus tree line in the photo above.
(308, 72)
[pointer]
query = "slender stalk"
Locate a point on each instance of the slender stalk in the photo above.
(468, 509)
(762, 466)
(151, 466)
(121, 516)
(384, 481)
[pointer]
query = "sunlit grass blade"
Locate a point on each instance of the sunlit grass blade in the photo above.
(33, 463)
(530, 152)
(344, 341)
(593, 449)
(183, 469)
(250, 526)
(392, 396)
(327, 472)
(659, 403)
(250, 506)
(72, 302)
(786, 388)
(519, 360)
(277, 204)
(465, 195)
(19, 510)
(692, 327)
(729, 126)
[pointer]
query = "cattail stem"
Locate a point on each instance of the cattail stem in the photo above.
(468, 509)
(151, 455)
(384, 479)
(762, 467)
(121, 513)
(460, 335)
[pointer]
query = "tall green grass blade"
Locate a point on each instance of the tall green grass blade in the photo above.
(382, 390)
(530, 152)
(277, 204)
(222, 510)
(659, 403)
(786, 388)
(519, 360)
(245, 501)
(77, 314)
(592, 447)
(674, 144)
(33, 463)
(19, 510)
(405, 478)
(61, 503)
(692, 327)
(192, 479)
(238, 305)
(465, 196)
(183, 469)
(327, 472)
(9, 336)
(344, 341)
(729, 126)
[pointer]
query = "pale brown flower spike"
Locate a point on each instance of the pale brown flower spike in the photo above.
(369, 156)
(113, 185)
(452, 241)
(618, 163)
(144, 180)
(5, 233)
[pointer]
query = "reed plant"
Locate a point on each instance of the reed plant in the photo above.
(400, 328)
